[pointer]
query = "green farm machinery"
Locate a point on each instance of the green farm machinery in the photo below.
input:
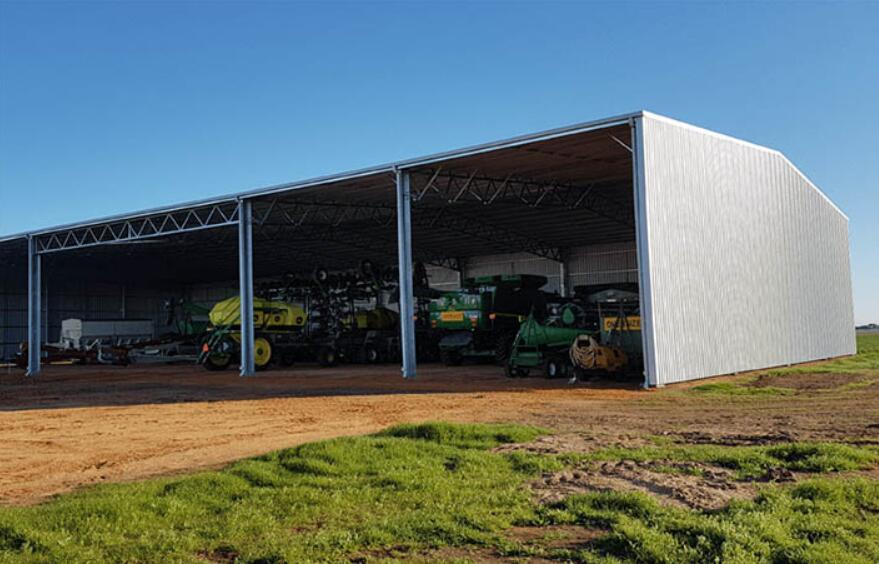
(576, 337)
(544, 343)
(480, 321)
(328, 317)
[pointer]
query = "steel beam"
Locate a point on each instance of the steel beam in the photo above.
(245, 273)
(404, 252)
(34, 290)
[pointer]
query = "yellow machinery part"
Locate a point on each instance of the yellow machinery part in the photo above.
(262, 352)
(378, 318)
(267, 314)
(588, 354)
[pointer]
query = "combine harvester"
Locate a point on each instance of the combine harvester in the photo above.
(480, 321)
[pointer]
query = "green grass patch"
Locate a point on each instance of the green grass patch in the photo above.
(738, 389)
(412, 486)
(749, 462)
(816, 521)
(678, 470)
(466, 436)
(865, 362)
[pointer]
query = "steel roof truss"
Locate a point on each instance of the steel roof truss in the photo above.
(459, 188)
(135, 229)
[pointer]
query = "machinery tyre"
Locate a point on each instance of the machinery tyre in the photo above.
(262, 353)
(217, 362)
(321, 275)
(287, 358)
(450, 358)
(502, 348)
(371, 354)
(555, 367)
(511, 371)
(327, 356)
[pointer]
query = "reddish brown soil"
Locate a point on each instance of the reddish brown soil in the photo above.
(807, 381)
(713, 488)
(74, 426)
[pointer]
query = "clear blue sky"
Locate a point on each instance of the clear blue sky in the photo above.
(117, 106)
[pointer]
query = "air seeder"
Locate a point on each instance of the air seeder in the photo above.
(278, 327)
(327, 317)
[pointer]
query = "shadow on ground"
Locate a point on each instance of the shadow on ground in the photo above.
(93, 386)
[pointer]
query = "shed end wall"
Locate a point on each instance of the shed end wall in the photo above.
(749, 261)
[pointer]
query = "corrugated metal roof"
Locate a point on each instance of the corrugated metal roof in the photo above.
(350, 175)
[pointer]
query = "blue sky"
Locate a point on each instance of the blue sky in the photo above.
(115, 106)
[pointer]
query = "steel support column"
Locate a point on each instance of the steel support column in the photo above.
(245, 283)
(404, 252)
(34, 291)
(643, 253)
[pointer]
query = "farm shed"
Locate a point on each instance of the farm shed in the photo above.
(741, 262)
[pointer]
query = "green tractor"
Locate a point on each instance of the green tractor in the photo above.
(480, 321)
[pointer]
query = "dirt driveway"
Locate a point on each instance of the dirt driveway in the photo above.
(83, 425)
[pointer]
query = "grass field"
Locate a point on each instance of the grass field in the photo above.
(446, 492)
(417, 488)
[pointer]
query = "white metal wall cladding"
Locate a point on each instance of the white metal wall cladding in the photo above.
(65, 298)
(602, 264)
(592, 264)
(444, 279)
(514, 263)
(749, 262)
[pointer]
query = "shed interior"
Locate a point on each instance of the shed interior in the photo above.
(561, 207)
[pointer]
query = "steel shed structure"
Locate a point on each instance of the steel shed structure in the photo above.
(742, 262)
(747, 260)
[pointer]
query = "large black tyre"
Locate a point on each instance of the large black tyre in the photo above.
(502, 348)
(217, 362)
(287, 358)
(371, 354)
(555, 367)
(320, 275)
(327, 357)
(511, 371)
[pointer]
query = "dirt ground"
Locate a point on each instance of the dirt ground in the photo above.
(74, 426)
